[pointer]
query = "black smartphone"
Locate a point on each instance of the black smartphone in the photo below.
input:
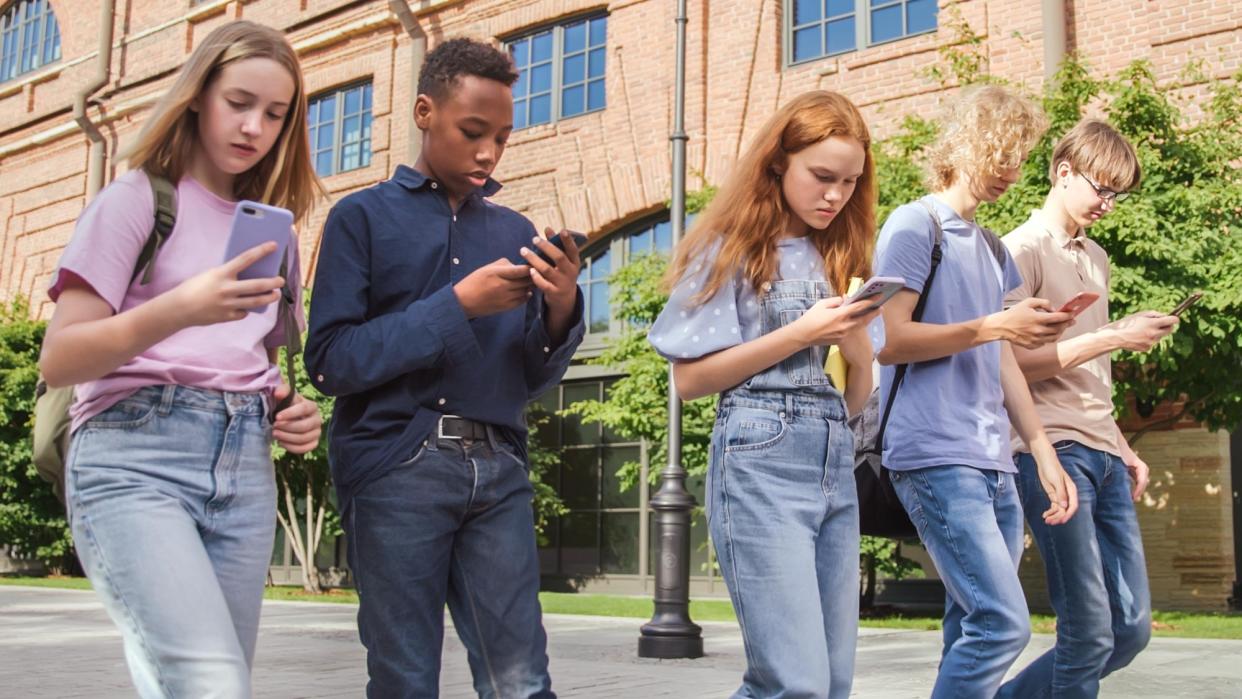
(1187, 303)
(580, 241)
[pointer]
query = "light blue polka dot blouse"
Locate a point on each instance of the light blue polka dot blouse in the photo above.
(685, 330)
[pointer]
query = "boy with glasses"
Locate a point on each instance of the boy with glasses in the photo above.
(1097, 577)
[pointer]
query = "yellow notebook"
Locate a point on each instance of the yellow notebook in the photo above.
(835, 366)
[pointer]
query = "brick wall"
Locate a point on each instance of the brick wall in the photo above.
(598, 171)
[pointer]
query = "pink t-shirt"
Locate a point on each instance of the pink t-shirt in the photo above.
(109, 235)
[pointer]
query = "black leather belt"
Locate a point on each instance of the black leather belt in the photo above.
(453, 427)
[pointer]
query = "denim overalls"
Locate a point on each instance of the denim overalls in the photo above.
(783, 515)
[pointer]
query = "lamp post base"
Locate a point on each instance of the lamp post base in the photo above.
(668, 647)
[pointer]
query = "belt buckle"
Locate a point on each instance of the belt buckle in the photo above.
(440, 428)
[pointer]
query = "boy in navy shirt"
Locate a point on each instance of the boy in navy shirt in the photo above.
(433, 342)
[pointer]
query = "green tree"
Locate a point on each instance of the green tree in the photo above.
(305, 502)
(1182, 231)
(32, 520)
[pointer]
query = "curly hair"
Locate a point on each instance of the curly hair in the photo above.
(457, 57)
(986, 131)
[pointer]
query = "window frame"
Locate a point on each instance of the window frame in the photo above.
(33, 46)
(557, 87)
(862, 30)
(366, 118)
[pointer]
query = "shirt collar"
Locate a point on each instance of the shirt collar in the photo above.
(414, 180)
(1058, 233)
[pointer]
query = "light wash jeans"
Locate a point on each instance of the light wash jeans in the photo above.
(172, 501)
(783, 515)
(1097, 577)
(970, 521)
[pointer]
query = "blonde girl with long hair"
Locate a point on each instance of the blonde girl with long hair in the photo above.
(755, 302)
(169, 477)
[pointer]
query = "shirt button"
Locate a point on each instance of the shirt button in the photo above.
(440, 402)
(434, 185)
(456, 261)
(547, 349)
(319, 378)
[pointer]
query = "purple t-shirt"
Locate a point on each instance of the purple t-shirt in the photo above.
(106, 242)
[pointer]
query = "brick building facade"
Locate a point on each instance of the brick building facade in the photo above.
(594, 156)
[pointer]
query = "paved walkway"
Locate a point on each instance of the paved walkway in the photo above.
(59, 643)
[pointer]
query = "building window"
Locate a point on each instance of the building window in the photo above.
(600, 533)
(601, 260)
(560, 71)
(29, 38)
(818, 28)
(340, 129)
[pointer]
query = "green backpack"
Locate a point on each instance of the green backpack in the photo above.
(51, 414)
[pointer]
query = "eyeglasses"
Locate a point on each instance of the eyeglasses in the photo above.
(1105, 194)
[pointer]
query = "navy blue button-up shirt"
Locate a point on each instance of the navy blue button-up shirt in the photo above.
(389, 339)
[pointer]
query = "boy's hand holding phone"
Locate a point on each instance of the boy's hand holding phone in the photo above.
(1141, 331)
(1030, 323)
(493, 288)
(559, 280)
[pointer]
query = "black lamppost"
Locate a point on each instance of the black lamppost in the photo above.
(670, 633)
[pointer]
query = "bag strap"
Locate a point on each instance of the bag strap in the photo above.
(165, 195)
(293, 337)
(916, 316)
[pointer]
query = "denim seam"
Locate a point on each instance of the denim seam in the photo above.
(824, 484)
(227, 464)
(478, 632)
(129, 612)
(958, 558)
(737, 581)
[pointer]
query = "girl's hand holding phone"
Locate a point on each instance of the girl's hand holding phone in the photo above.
(829, 321)
(217, 296)
(297, 427)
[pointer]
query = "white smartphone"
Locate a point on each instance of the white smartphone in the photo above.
(255, 224)
(875, 293)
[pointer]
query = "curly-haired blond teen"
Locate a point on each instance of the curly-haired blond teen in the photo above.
(947, 442)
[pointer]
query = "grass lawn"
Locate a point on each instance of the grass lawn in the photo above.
(1167, 624)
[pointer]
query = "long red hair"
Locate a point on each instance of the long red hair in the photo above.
(748, 214)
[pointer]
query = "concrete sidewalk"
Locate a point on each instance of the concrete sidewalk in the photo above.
(59, 643)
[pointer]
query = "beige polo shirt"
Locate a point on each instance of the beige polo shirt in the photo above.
(1076, 404)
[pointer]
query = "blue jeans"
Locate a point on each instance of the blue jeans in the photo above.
(172, 501)
(970, 521)
(783, 514)
(451, 525)
(1097, 577)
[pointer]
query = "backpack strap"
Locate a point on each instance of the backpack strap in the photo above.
(936, 254)
(995, 245)
(165, 195)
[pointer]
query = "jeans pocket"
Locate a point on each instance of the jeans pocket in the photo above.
(127, 413)
(422, 449)
(749, 429)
